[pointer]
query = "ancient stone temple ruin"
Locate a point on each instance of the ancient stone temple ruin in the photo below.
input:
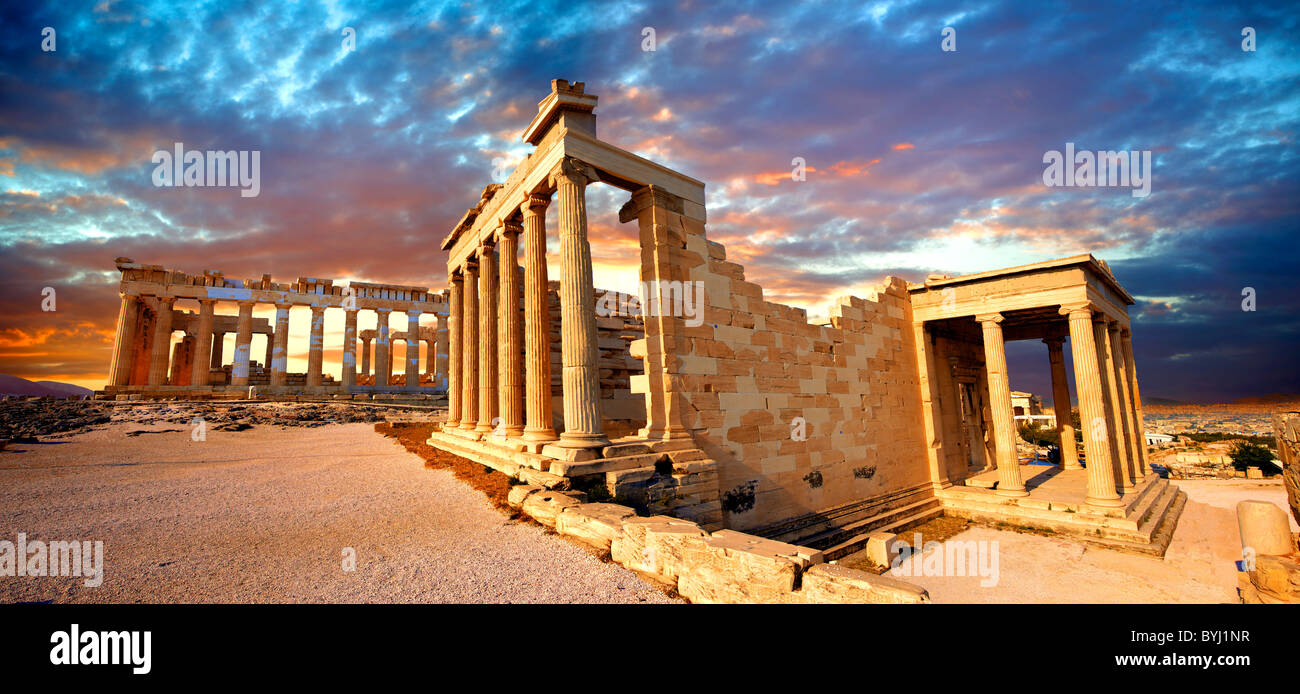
(146, 363)
(752, 418)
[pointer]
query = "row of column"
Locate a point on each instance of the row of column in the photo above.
(209, 344)
(1109, 404)
(430, 362)
(501, 364)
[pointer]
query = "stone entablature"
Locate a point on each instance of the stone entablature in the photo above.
(146, 321)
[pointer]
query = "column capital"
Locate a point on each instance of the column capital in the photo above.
(350, 311)
(383, 310)
(1113, 326)
(1056, 340)
(414, 312)
(285, 305)
(574, 170)
(318, 310)
(534, 203)
(511, 227)
(987, 318)
(1082, 308)
(206, 301)
(164, 297)
(650, 196)
(487, 246)
(246, 302)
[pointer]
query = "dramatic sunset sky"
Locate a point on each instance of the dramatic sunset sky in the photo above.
(919, 160)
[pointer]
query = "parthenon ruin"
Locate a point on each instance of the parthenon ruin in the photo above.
(754, 418)
(146, 364)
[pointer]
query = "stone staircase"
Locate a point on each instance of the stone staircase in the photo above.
(1143, 524)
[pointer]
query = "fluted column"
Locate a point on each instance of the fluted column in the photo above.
(537, 323)
(349, 349)
(160, 349)
(383, 363)
(578, 347)
(218, 349)
(1106, 366)
(119, 373)
(243, 343)
(487, 339)
(365, 356)
(1092, 407)
(469, 348)
(1129, 453)
(1061, 403)
(438, 348)
(453, 349)
(1004, 425)
(1135, 403)
(280, 347)
(316, 346)
(202, 345)
(412, 349)
(511, 331)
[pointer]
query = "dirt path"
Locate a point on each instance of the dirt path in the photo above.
(265, 515)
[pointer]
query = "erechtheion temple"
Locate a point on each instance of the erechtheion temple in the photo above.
(705, 402)
(754, 418)
(147, 364)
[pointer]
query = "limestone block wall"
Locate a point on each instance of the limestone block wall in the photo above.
(754, 366)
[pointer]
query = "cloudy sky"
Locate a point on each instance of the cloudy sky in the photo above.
(919, 160)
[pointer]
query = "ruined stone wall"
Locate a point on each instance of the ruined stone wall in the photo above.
(754, 366)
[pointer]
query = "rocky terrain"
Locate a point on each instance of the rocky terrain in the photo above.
(30, 420)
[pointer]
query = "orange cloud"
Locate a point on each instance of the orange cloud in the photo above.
(904, 145)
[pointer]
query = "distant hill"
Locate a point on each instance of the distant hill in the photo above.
(1163, 401)
(13, 385)
(1269, 399)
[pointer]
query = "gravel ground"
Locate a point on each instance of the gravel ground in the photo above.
(265, 515)
(1198, 566)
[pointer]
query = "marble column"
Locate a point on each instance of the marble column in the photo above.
(218, 350)
(203, 344)
(160, 349)
(537, 324)
(469, 348)
(383, 364)
(243, 343)
(1004, 424)
(1129, 452)
(1106, 365)
(453, 350)
(439, 351)
(1135, 403)
(511, 330)
(579, 351)
(124, 341)
(487, 340)
(365, 356)
(1092, 407)
(349, 349)
(1061, 403)
(412, 349)
(316, 347)
(280, 348)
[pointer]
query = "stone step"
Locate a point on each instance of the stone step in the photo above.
(841, 534)
(859, 541)
(603, 465)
